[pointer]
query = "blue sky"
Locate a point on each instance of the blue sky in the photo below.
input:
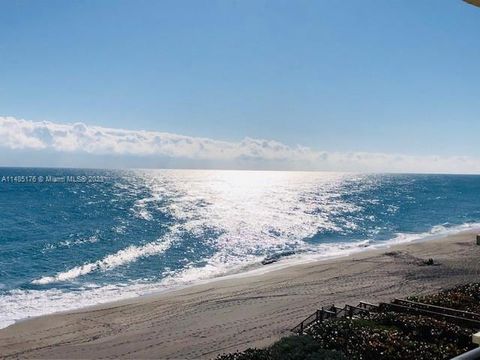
(338, 76)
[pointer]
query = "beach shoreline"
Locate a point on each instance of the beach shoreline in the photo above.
(290, 261)
(236, 312)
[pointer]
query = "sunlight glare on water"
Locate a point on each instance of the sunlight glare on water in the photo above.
(150, 230)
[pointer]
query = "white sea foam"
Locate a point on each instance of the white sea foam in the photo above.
(109, 262)
(238, 216)
(21, 304)
(438, 231)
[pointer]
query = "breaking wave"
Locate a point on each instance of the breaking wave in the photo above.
(122, 257)
(147, 231)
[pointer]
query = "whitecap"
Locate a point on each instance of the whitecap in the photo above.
(122, 257)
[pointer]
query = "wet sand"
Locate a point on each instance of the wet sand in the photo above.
(232, 314)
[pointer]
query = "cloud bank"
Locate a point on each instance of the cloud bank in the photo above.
(72, 140)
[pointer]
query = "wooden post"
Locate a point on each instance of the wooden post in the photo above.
(478, 239)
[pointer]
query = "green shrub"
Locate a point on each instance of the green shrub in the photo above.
(302, 348)
(380, 336)
(463, 297)
(288, 348)
(392, 336)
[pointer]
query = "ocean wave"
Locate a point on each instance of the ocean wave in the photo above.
(218, 266)
(122, 257)
(69, 243)
(436, 232)
(140, 210)
(20, 304)
(224, 223)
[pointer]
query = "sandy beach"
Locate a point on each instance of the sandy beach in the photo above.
(233, 314)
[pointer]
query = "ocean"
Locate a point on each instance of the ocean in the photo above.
(75, 237)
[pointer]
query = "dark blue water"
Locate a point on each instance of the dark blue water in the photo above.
(72, 237)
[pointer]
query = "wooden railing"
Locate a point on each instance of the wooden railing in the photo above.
(460, 317)
(333, 312)
(452, 315)
(464, 318)
(438, 309)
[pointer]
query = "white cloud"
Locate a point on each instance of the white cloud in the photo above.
(78, 138)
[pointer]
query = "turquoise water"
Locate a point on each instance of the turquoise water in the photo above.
(99, 235)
